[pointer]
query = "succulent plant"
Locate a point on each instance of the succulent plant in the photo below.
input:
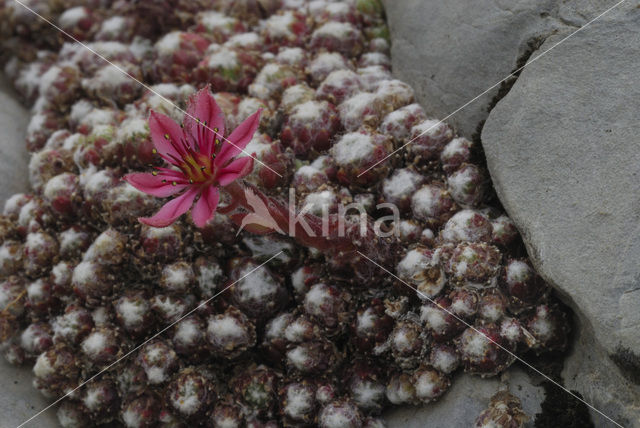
(474, 264)
(131, 380)
(92, 282)
(504, 231)
(457, 152)
(101, 400)
(298, 403)
(36, 338)
(272, 80)
(421, 270)
(312, 357)
(504, 411)
(217, 26)
(366, 386)
(225, 415)
(399, 189)
(257, 388)
(372, 327)
(230, 334)
(444, 358)
(522, 284)
(229, 69)
(340, 413)
(191, 393)
(370, 59)
(56, 370)
(189, 337)
(324, 63)
(328, 306)
(317, 337)
(259, 295)
(285, 28)
(360, 158)
(176, 56)
(337, 36)
(429, 384)
(408, 342)
(429, 139)
(101, 346)
(339, 85)
(483, 351)
(363, 109)
(139, 412)
(73, 325)
(71, 414)
(309, 127)
(549, 327)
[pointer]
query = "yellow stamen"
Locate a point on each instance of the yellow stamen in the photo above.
(13, 302)
(197, 168)
(166, 136)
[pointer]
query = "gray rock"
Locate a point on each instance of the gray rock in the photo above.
(14, 118)
(451, 52)
(19, 400)
(562, 148)
(468, 397)
(590, 370)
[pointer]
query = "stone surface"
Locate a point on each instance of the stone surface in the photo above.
(468, 397)
(14, 118)
(19, 400)
(563, 151)
(451, 52)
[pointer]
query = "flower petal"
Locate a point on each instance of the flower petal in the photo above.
(153, 184)
(205, 208)
(171, 210)
(171, 173)
(164, 130)
(203, 106)
(235, 170)
(239, 139)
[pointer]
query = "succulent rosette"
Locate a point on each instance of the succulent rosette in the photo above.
(353, 312)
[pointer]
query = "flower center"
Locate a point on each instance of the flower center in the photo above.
(198, 168)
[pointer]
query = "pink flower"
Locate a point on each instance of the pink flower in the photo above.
(201, 160)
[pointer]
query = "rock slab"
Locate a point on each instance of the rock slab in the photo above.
(451, 52)
(18, 399)
(468, 397)
(563, 151)
(14, 118)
